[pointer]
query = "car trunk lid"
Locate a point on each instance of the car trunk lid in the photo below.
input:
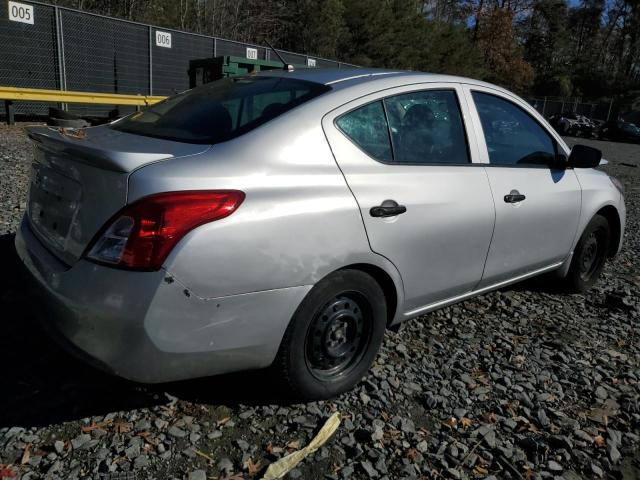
(79, 180)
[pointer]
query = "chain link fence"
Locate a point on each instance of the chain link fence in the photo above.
(598, 110)
(64, 49)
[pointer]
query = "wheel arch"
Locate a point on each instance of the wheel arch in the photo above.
(388, 286)
(613, 218)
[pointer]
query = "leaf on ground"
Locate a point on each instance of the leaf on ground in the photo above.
(203, 455)
(599, 441)
(271, 450)
(451, 422)
(96, 426)
(480, 471)
(466, 422)
(26, 455)
(294, 445)
(223, 421)
(251, 467)
(490, 417)
(122, 427)
(412, 454)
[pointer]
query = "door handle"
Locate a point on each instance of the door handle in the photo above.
(387, 209)
(514, 197)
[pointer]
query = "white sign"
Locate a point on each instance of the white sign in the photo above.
(311, 62)
(20, 12)
(252, 53)
(163, 39)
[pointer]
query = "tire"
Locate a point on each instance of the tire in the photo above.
(589, 255)
(333, 337)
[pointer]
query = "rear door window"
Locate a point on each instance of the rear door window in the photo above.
(426, 128)
(221, 110)
(367, 127)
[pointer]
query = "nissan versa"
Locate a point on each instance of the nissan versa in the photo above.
(287, 219)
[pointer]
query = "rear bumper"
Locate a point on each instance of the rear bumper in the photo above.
(146, 326)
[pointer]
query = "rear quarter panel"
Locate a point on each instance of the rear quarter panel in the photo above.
(298, 222)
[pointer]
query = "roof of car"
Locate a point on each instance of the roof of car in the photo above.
(351, 75)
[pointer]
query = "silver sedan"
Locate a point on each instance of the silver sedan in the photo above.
(286, 219)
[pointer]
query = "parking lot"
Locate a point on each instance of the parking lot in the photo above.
(526, 382)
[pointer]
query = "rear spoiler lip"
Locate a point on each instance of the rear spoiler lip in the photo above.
(80, 149)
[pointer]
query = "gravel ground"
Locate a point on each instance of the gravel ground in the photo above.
(525, 382)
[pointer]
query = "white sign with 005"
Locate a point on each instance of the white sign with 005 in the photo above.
(21, 12)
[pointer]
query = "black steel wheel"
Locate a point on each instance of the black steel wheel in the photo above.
(333, 337)
(589, 255)
(338, 335)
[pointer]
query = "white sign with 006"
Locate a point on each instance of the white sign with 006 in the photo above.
(163, 39)
(21, 12)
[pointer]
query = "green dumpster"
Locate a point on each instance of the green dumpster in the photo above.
(207, 70)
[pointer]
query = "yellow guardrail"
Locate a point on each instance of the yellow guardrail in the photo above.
(59, 96)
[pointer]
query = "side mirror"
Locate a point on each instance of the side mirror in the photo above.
(584, 157)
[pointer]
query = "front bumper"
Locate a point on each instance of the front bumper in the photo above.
(147, 326)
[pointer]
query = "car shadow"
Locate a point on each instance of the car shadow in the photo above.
(546, 283)
(41, 384)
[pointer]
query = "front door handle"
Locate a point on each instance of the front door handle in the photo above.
(514, 197)
(389, 208)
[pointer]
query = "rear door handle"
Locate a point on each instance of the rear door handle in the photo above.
(514, 197)
(389, 208)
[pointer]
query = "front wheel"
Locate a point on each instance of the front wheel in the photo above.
(589, 255)
(333, 337)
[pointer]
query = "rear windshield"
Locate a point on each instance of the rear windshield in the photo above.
(220, 110)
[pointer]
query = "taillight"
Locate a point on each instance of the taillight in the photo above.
(142, 234)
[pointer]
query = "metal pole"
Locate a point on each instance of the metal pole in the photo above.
(544, 105)
(150, 60)
(215, 47)
(609, 112)
(62, 71)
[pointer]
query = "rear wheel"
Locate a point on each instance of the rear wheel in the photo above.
(589, 255)
(333, 337)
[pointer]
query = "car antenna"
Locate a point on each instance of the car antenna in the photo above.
(285, 66)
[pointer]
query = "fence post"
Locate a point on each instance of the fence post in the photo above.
(150, 60)
(8, 108)
(544, 105)
(610, 106)
(215, 46)
(62, 70)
